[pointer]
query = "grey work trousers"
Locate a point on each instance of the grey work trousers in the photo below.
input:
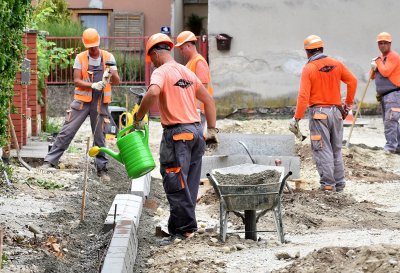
(76, 115)
(326, 134)
(391, 114)
(181, 151)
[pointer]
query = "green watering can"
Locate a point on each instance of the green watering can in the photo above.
(134, 152)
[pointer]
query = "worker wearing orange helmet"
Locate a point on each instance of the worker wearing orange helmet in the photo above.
(320, 92)
(176, 89)
(186, 42)
(92, 94)
(386, 72)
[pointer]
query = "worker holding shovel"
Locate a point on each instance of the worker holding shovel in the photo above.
(386, 72)
(176, 89)
(320, 91)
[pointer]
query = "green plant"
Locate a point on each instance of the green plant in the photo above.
(14, 14)
(48, 185)
(7, 169)
(52, 127)
(46, 13)
(195, 23)
(59, 12)
(4, 259)
(66, 28)
(129, 67)
(73, 149)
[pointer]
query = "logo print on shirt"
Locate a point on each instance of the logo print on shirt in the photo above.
(182, 83)
(327, 68)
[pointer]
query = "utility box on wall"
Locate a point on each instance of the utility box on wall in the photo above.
(223, 41)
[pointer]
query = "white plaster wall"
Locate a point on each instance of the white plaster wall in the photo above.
(267, 53)
(176, 17)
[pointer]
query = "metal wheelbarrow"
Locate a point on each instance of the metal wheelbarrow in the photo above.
(236, 193)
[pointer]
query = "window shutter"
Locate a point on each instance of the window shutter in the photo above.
(128, 25)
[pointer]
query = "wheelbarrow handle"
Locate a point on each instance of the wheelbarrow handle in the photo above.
(284, 182)
(214, 183)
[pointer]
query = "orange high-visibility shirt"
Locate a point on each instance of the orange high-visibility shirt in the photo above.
(177, 100)
(391, 68)
(200, 67)
(320, 84)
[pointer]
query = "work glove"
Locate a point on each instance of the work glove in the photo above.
(138, 124)
(211, 137)
(106, 75)
(294, 128)
(98, 85)
(346, 110)
(378, 97)
(373, 64)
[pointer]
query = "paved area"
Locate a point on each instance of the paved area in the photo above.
(35, 148)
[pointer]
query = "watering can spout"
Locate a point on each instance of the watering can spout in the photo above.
(95, 150)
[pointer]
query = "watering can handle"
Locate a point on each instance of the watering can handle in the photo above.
(126, 129)
(123, 131)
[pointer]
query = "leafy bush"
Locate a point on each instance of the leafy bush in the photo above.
(52, 127)
(66, 28)
(130, 68)
(50, 13)
(14, 15)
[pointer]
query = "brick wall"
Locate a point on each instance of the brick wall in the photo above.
(25, 96)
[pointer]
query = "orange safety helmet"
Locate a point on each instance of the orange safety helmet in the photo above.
(90, 38)
(185, 36)
(384, 36)
(312, 42)
(158, 38)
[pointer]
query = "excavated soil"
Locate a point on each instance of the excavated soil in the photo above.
(355, 231)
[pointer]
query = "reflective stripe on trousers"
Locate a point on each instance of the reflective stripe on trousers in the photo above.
(181, 151)
(326, 134)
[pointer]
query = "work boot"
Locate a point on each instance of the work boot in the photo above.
(326, 188)
(103, 175)
(48, 166)
(173, 239)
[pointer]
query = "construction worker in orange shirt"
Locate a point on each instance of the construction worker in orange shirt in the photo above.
(320, 92)
(186, 42)
(386, 72)
(177, 90)
(92, 95)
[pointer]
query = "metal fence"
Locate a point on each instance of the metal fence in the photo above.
(128, 52)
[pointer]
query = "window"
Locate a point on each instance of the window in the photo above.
(97, 21)
(128, 25)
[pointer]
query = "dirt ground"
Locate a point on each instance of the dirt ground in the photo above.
(354, 231)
